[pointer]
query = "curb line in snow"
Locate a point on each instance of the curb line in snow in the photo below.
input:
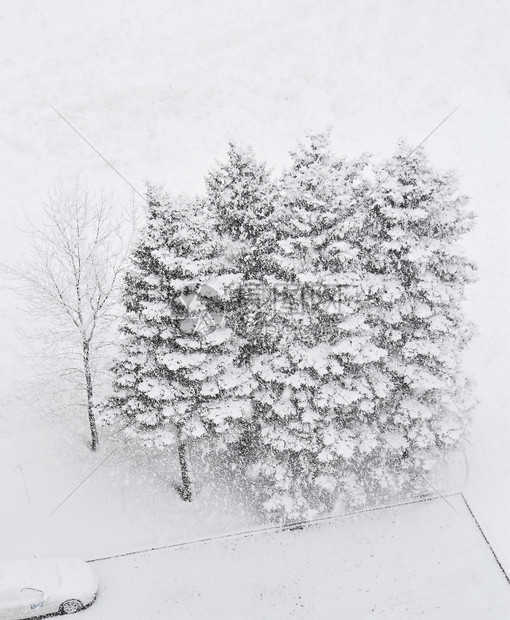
(290, 527)
(485, 538)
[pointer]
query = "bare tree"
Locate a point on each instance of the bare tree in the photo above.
(71, 280)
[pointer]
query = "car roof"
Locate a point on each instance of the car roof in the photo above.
(33, 573)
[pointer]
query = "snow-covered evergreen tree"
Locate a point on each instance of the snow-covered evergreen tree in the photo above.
(415, 275)
(242, 195)
(176, 379)
(314, 379)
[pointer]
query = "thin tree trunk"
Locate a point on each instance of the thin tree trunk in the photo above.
(186, 493)
(90, 405)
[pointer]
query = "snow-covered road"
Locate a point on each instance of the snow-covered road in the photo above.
(421, 560)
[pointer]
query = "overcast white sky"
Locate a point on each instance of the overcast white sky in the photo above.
(160, 87)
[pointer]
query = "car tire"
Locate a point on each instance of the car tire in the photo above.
(71, 606)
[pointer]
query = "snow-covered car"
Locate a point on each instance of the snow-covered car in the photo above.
(34, 588)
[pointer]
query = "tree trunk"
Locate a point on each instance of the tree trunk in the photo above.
(185, 490)
(90, 405)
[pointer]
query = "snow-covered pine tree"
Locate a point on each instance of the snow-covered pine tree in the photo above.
(242, 195)
(415, 280)
(314, 381)
(175, 380)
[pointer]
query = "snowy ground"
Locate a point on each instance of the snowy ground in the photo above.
(420, 560)
(128, 503)
(416, 561)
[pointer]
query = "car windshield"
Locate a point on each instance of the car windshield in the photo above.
(39, 574)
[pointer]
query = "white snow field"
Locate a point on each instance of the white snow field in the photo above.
(128, 503)
(419, 560)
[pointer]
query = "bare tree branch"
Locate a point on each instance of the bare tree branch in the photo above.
(70, 281)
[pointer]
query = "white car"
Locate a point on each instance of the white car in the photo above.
(34, 588)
